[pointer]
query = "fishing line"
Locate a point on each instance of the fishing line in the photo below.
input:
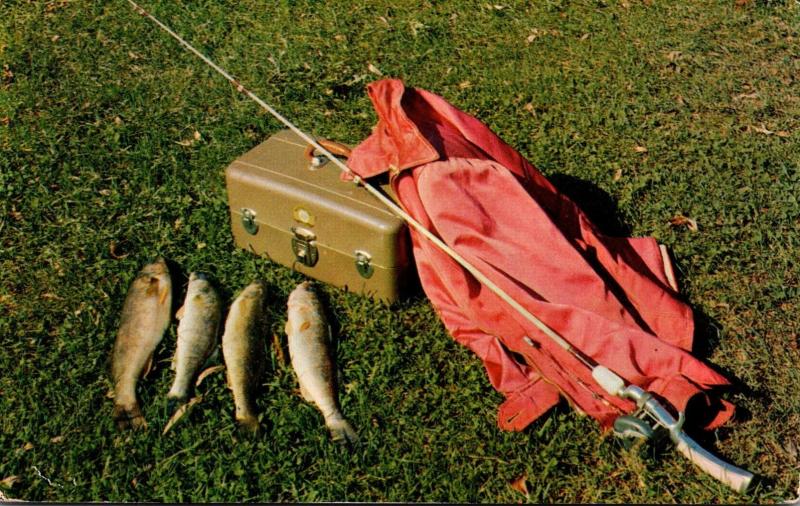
(378, 194)
(609, 381)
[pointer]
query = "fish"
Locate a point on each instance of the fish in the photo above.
(146, 314)
(198, 328)
(308, 336)
(244, 352)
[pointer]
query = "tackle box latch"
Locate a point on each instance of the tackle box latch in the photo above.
(363, 265)
(304, 246)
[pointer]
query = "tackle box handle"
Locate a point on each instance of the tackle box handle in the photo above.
(336, 148)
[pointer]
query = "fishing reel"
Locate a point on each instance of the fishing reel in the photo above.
(642, 424)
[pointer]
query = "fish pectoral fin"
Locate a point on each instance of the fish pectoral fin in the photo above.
(148, 366)
(306, 324)
(306, 394)
(288, 328)
(179, 314)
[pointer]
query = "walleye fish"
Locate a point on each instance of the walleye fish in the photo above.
(197, 336)
(308, 335)
(244, 352)
(145, 316)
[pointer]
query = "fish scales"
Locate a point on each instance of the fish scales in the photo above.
(308, 334)
(146, 314)
(197, 335)
(244, 351)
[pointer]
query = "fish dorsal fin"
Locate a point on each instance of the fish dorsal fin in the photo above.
(180, 312)
(288, 328)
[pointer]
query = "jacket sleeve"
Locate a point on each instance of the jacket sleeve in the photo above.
(528, 396)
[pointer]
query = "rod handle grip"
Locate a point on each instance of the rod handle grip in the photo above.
(737, 479)
(608, 380)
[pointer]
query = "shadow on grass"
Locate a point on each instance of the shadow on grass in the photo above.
(602, 210)
(598, 205)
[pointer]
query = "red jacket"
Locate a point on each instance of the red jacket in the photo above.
(609, 297)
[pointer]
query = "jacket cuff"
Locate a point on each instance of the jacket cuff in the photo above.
(524, 406)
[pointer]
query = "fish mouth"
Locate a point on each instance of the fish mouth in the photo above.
(155, 268)
(254, 290)
(198, 276)
(258, 285)
(307, 286)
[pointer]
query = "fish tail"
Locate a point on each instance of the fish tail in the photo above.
(128, 417)
(249, 425)
(174, 402)
(341, 430)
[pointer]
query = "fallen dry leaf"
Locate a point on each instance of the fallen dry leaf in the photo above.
(783, 133)
(640, 149)
(57, 439)
(197, 135)
(180, 412)
(375, 70)
(674, 55)
(9, 481)
(55, 38)
(28, 447)
(680, 220)
(463, 85)
(618, 175)
(762, 130)
(520, 484)
(743, 96)
(208, 372)
(112, 250)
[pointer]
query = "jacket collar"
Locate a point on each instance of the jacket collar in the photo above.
(395, 143)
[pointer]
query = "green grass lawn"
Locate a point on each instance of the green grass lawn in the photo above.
(641, 110)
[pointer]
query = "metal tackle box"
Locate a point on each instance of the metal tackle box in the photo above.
(302, 215)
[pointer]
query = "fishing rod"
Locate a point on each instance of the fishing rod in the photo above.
(732, 476)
